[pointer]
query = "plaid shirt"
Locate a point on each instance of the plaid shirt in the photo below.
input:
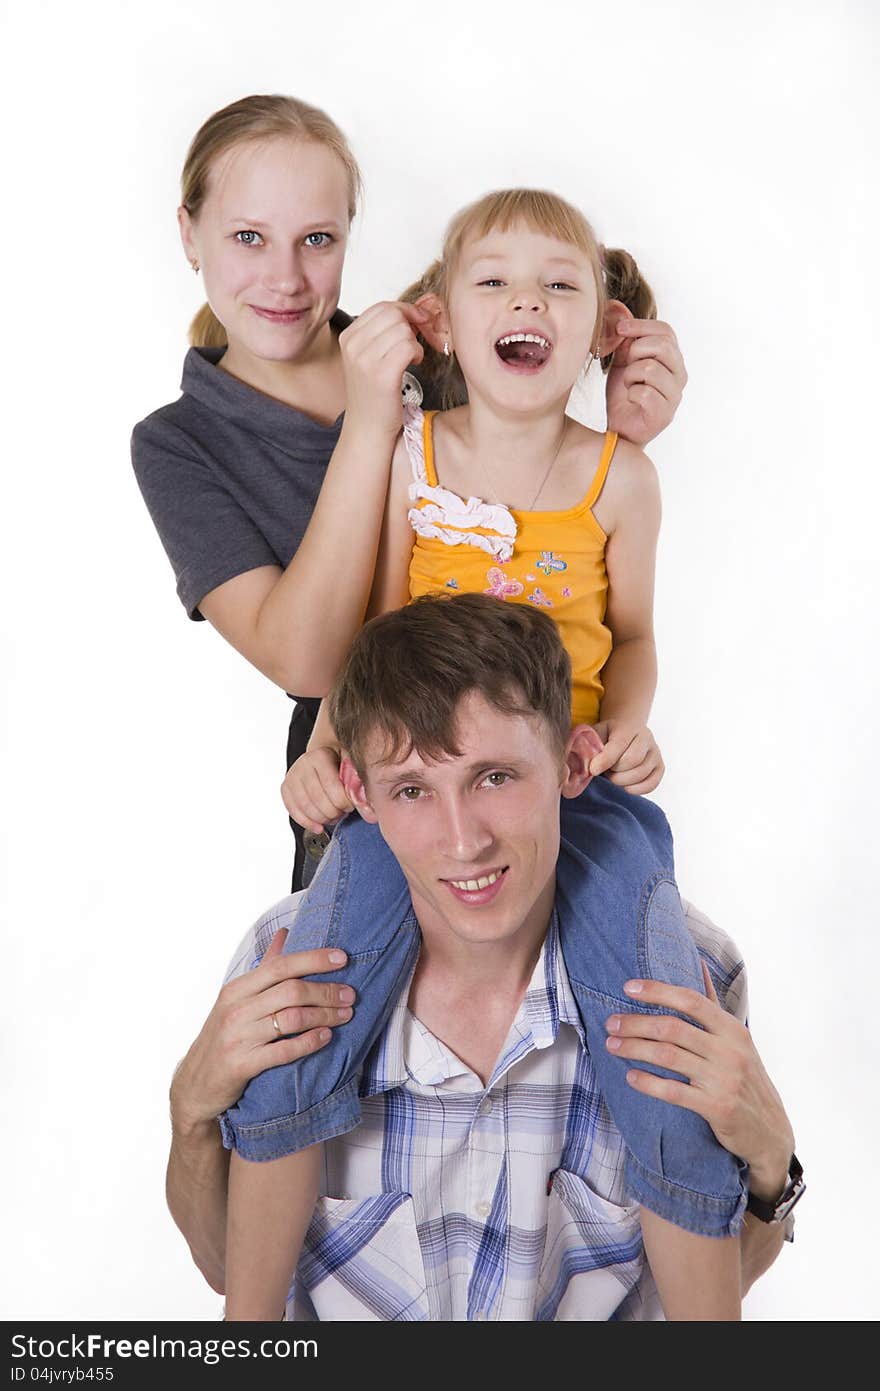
(452, 1200)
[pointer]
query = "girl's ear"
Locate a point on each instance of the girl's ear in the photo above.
(582, 747)
(435, 330)
(609, 338)
(353, 783)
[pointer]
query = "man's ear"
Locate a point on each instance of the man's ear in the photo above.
(582, 746)
(609, 338)
(354, 785)
(435, 330)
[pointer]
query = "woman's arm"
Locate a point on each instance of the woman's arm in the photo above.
(312, 791)
(646, 380)
(296, 625)
(236, 1043)
(629, 512)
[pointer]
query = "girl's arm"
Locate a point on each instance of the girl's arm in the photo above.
(697, 1277)
(270, 1207)
(312, 791)
(296, 625)
(629, 512)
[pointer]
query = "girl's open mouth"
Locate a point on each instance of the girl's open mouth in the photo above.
(524, 352)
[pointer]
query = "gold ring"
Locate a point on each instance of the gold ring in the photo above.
(275, 1025)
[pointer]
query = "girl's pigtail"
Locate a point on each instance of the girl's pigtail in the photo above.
(624, 281)
(440, 376)
(206, 330)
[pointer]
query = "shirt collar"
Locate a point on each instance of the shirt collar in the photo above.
(407, 1049)
(253, 410)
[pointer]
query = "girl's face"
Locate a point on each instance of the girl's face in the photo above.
(522, 310)
(270, 240)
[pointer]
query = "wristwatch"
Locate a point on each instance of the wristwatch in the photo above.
(791, 1194)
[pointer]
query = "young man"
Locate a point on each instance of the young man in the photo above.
(487, 1178)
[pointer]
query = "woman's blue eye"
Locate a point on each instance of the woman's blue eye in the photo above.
(318, 239)
(248, 238)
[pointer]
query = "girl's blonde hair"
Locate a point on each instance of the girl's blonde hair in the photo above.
(255, 118)
(615, 273)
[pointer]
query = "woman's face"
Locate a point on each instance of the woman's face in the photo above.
(270, 241)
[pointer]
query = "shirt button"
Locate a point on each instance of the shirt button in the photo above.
(483, 1210)
(486, 1107)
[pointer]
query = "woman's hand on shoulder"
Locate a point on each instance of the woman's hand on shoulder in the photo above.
(646, 380)
(239, 1038)
(313, 792)
(376, 350)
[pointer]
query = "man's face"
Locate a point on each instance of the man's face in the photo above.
(477, 836)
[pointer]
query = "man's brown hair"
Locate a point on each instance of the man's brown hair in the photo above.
(408, 670)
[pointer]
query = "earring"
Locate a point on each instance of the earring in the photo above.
(446, 352)
(195, 265)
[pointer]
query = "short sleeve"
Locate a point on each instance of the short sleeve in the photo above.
(207, 536)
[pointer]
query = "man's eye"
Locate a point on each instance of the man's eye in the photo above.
(248, 238)
(497, 779)
(409, 794)
(318, 239)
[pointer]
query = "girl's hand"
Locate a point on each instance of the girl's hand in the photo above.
(645, 381)
(376, 351)
(728, 1085)
(630, 757)
(239, 1039)
(312, 791)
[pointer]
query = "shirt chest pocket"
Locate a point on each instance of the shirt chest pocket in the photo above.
(593, 1253)
(362, 1261)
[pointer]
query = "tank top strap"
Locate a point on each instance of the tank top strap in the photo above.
(418, 439)
(601, 473)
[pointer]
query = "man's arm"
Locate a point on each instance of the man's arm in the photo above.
(238, 1041)
(727, 1085)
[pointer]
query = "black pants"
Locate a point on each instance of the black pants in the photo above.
(302, 722)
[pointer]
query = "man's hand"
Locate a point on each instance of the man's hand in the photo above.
(646, 380)
(630, 757)
(312, 791)
(728, 1085)
(239, 1039)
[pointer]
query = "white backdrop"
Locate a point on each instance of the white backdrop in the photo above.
(728, 147)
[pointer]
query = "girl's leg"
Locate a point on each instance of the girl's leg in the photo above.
(620, 917)
(358, 901)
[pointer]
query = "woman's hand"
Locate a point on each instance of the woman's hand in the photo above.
(376, 350)
(728, 1085)
(312, 791)
(239, 1039)
(630, 757)
(645, 381)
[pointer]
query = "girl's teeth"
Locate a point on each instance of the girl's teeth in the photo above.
(523, 338)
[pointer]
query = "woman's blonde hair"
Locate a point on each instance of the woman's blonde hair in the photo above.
(255, 118)
(615, 273)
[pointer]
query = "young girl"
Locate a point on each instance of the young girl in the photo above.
(508, 496)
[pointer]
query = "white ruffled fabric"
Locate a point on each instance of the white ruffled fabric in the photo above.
(448, 517)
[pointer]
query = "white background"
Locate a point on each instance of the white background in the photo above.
(727, 146)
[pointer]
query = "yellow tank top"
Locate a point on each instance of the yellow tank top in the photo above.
(555, 560)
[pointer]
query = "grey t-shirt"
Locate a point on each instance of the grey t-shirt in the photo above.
(230, 476)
